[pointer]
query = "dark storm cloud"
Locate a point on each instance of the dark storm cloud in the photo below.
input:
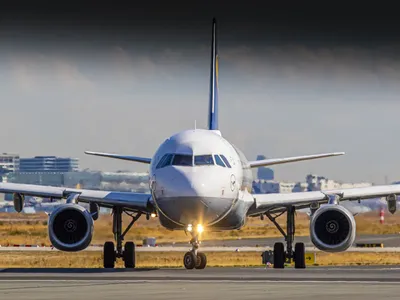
(257, 22)
(295, 78)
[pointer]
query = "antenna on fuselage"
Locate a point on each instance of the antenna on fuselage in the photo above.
(195, 126)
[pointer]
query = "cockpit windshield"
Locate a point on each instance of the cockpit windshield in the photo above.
(202, 160)
(182, 160)
(187, 160)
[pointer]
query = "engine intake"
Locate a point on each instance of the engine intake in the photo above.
(70, 227)
(332, 228)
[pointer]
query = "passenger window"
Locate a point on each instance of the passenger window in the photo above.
(182, 160)
(225, 161)
(219, 161)
(202, 160)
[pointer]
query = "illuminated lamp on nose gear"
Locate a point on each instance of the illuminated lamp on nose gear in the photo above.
(200, 228)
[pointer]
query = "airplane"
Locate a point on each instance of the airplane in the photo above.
(199, 182)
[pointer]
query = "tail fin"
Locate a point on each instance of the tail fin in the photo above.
(213, 104)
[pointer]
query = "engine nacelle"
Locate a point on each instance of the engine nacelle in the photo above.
(70, 227)
(332, 228)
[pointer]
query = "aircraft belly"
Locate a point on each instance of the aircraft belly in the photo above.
(235, 219)
(225, 214)
(192, 210)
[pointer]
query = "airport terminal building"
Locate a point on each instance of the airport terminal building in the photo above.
(48, 164)
(9, 162)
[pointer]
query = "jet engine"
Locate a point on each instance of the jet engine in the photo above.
(70, 227)
(332, 228)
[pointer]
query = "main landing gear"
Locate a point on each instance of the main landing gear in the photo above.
(280, 255)
(128, 253)
(195, 259)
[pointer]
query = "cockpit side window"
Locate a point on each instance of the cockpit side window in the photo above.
(203, 160)
(165, 161)
(219, 161)
(225, 161)
(161, 161)
(182, 160)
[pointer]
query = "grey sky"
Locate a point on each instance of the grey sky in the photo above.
(275, 99)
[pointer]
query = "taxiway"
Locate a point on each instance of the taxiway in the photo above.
(365, 283)
(388, 240)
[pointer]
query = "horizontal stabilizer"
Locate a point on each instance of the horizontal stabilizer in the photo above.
(143, 160)
(277, 161)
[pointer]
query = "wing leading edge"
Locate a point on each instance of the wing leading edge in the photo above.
(265, 202)
(277, 161)
(133, 201)
(143, 160)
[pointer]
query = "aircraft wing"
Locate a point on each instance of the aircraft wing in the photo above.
(140, 202)
(277, 161)
(276, 202)
(143, 160)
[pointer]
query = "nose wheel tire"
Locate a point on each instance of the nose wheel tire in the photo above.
(109, 255)
(129, 255)
(201, 260)
(189, 260)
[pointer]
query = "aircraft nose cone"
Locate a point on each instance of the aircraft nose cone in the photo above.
(189, 197)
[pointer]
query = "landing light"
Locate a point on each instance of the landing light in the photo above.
(189, 228)
(153, 215)
(200, 228)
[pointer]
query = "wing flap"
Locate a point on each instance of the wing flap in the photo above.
(135, 201)
(277, 161)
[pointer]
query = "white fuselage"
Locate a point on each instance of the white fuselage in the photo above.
(198, 177)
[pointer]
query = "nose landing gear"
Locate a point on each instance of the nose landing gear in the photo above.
(194, 259)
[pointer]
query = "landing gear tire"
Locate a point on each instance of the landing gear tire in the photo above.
(189, 260)
(201, 260)
(129, 255)
(279, 256)
(299, 256)
(109, 255)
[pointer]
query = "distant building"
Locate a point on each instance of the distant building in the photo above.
(320, 183)
(9, 162)
(264, 173)
(313, 183)
(300, 187)
(48, 164)
(40, 178)
(271, 186)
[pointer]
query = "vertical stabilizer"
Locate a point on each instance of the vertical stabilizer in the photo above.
(213, 103)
